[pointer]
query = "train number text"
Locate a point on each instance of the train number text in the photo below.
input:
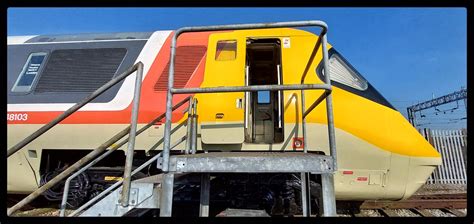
(17, 117)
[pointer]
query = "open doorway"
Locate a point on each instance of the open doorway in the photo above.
(264, 111)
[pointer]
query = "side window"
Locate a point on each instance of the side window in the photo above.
(342, 72)
(29, 73)
(226, 50)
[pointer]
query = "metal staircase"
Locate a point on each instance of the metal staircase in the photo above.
(157, 191)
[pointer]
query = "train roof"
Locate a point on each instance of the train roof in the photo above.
(78, 37)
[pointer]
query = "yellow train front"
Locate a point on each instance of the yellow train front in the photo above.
(379, 154)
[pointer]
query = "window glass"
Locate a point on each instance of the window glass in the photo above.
(343, 73)
(226, 50)
(29, 73)
(263, 97)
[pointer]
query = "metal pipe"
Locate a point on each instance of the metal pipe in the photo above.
(188, 127)
(194, 129)
(315, 104)
(69, 170)
(253, 88)
(124, 197)
(253, 26)
(71, 110)
(166, 199)
(328, 195)
(204, 198)
(331, 132)
(304, 193)
(247, 98)
(169, 95)
(279, 98)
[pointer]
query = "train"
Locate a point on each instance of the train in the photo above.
(379, 154)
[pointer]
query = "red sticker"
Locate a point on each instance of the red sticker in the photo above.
(361, 178)
(347, 172)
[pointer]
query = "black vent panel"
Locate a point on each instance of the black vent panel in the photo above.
(186, 62)
(79, 70)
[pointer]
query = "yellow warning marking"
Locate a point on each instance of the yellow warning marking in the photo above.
(110, 178)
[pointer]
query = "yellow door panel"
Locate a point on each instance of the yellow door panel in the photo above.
(222, 121)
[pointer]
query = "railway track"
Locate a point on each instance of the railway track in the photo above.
(432, 205)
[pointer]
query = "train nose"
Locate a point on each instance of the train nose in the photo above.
(420, 169)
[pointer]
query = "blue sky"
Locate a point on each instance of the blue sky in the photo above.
(408, 54)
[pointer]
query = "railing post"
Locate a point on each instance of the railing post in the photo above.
(305, 182)
(166, 198)
(329, 114)
(189, 126)
(169, 105)
(194, 128)
(131, 142)
(328, 194)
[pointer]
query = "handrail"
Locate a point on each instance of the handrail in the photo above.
(165, 209)
(144, 128)
(315, 103)
(138, 169)
(136, 67)
(171, 90)
(124, 198)
(73, 109)
(253, 88)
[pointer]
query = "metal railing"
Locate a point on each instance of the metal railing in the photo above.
(144, 128)
(131, 130)
(138, 169)
(172, 90)
(450, 144)
(167, 199)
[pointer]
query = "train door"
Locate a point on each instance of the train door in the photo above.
(221, 115)
(263, 109)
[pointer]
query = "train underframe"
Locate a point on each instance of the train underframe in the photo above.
(279, 194)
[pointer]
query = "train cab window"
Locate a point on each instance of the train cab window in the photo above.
(29, 73)
(263, 97)
(226, 50)
(344, 73)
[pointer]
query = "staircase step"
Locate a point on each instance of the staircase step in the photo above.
(142, 195)
(230, 212)
(249, 162)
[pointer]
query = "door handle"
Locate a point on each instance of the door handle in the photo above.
(279, 97)
(239, 103)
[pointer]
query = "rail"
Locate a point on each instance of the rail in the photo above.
(144, 128)
(131, 130)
